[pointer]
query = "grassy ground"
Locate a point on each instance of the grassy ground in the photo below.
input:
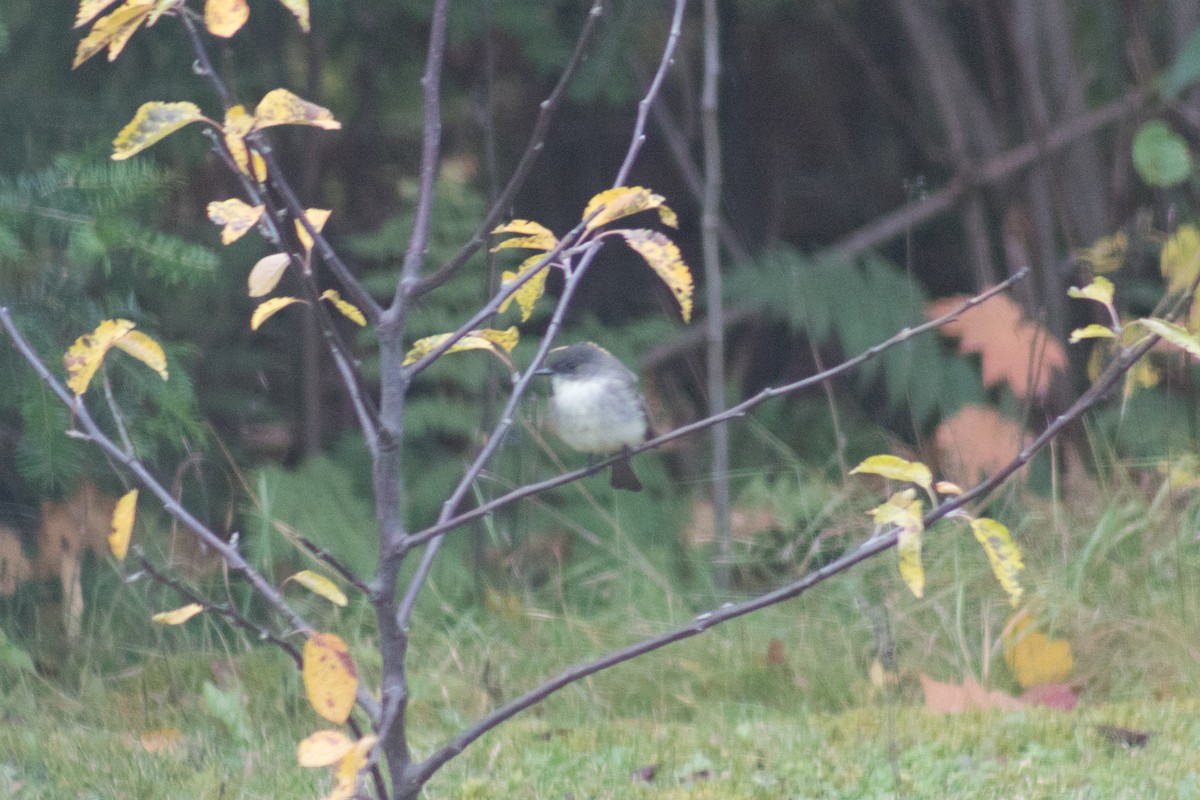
(200, 714)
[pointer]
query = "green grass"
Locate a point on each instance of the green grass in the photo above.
(714, 716)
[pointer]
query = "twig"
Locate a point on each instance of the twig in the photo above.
(537, 141)
(337, 566)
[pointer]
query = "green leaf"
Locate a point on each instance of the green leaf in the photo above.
(1186, 69)
(1173, 334)
(1160, 155)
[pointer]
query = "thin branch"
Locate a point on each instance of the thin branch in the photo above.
(431, 140)
(442, 526)
(337, 566)
(537, 142)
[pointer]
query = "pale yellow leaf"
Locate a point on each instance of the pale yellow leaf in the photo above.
(281, 107)
(613, 204)
(665, 259)
(317, 217)
(529, 292)
(152, 122)
(236, 216)
(320, 585)
(323, 748)
(1180, 259)
(1092, 331)
(113, 31)
(146, 350)
(179, 615)
(224, 18)
(897, 469)
(904, 510)
(348, 309)
(353, 762)
(911, 569)
(265, 274)
(268, 308)
(948, 488)
(1173, 334)
(1106, 254)
(299, 9)
(1003, 555)
(88, 9)
(1100, 290)
(87, 353)
(161, 7)
(499, 343)
(330, 678)
(122, 524)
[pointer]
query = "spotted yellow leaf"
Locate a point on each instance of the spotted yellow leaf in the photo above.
(330, 678)
(299, 9)
(613, 204)
(530, 291)
(268, 309)
(499, 343)
(224, 18)
(236, 216)
(238, 123)
(87, 353)
(146, 350)
(665, 259)
(122, 524)
(317, 217)
(320, 585)
(179, 615)
(281, 107)
(113, 31)
(348, 309)
(526, 227)
(1003, 555)
(896, 469)
(323, 748)
(152, 122)
(266, 273)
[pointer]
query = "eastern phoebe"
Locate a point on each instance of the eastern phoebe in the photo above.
(595, 405)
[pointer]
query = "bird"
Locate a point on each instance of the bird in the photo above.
(595, 406)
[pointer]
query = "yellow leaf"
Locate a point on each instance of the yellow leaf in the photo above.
(903, 510)
(88, 9)
(499, 343)
(1173, 334)
(526, 227)
(268, 308)
(161, 7)
(224, 18)
(1003, 554)
(161, 740)
(1100, 290)
(258, 167)
(665, 259)
(1106, 254)
(179, 615)
(238, 123)
(146, 350)
(1180, 259)
(299, 9)
(152, 122)
(320, 585)
(897, 469)
(122, 524)
(613, 204)
(911, 570)
(265, 274)
(948, 488)
(281, 107)
(317, 217)
(330, 679)
(348, 309)
(323, 748)
(1034, 658)
(541, 241)
(113, 31)
(1092, 331)
(349, 767)
(236, 216)
(530, 292)
(85, 356)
